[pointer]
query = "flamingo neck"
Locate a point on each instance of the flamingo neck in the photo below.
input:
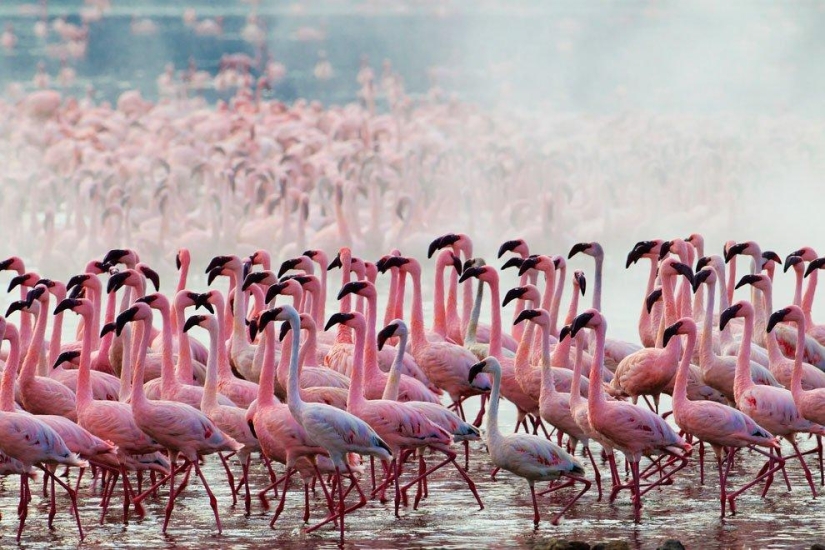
(309, 350)
(680, 386)
(796, 377)
(371, 353)
(439, 315)
(547, 384)
(209, 399)
(138, 395)
(10, 372)
(575, 386)
(597, 284)
(57, 331)
(518, 330)
(184, 369)
(266, 387)
(355, 397)
(595, 393)
(808, 298)
(451, 309)
(394, 379)
(389, 311)
(797, 293)
(419, 339)
(706, 341)
(293, 392)
(167, 363)
(27, 371)
(742, 380)
(522, 359)
(224, 369)
(471, 334)
(400, 292)
(493, 432)
(557, 294)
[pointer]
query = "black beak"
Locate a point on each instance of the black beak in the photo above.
(699, 278)
(457, 264)
(580, 247)
(113, 256)
(193, 321)
(582, 281)
(684, 269)
(564, 332)
(217, 261)
(815, 264)
(748, 280)
(66, 357)
(178, 263)
(394, 261)
(18, 280)
(336, 262)
(107, 328)
(513, 294)
(386, 333)
(670, 332)
(254, 278)
(777, 317)
(353, 287)
(475, 369)
(704, 261)
(791, 261)
(77, 280)
(338, 318)
(68, 303)
(285, 327)
(665, 249)
(515, 261)
(124, 318)
(213, 274)
(652, 298)
(508, 246)
(734, 250)
(273, 291)
(116, 281)
(470, 272)
(727, 315)
(527, 264)
(17, 305)
(771, 255)
(288, 265)
(526, 314)
(580, 322)
(268, 316)
(202, 300)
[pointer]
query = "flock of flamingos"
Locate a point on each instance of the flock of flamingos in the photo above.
(132, 395)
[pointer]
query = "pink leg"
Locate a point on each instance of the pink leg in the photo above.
(536, 516)
(72, 497)
(52, 503)
(229, 477)
(766, 472)
(280, 508)
(213, 502)
(170, 505)
(23, 506)
(587, 485)
(808, 475)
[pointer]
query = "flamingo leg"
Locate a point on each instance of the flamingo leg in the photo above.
(170, 505)
(280, 507)
(229, 477)
(72, 497)
(573, 479)
(213, 502)
(536, 516)
(766, 472)
(596, 473)
(808, 475)
(23, 506)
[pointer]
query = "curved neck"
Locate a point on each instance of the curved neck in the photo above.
(495, 307)
(84, 385)
(293, 392)
(493, 433)
(419, 339)
(797, 293)
(27, 371)
(184, 369)
(389, 311)
(355, 397)
(597, 284)
(522, 359)
(394, 379)
(557, 294)
(471, 334)
(167, 363)
(266, 387)
(595, 393)
(451, 308)
(57, 331)
(238, 311)
(182, 276)
(547, 384)
(439, 315)
(400, 294)
(224, 369)
(371, 352)
(209, 399)
(125, 364)
(796, 377)
(10, 373)
(138, 396)
(742, 379)
(706, 341)
(307, 356)
(808, 298)
(680, 386)
(731, 284)
(344, 335)
(575, 385)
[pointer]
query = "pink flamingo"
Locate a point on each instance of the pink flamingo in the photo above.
(528, 456)
(230, 419)
(401, 427)
(41, 394)
(178, 427)
(633, 430)
(339, 432)
(32, 442)
(648, 371)
(771, 408)
(719, 371)
(725, 428)
(648, 321)
(109, 420)
(446, 365)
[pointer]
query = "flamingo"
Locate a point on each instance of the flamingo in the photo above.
(230, 419)
(633, 430)
(337, 431)
(32, 442)
(399, 426)
(725, 428)
(178, 427)
(528, 456)
(772, 408)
